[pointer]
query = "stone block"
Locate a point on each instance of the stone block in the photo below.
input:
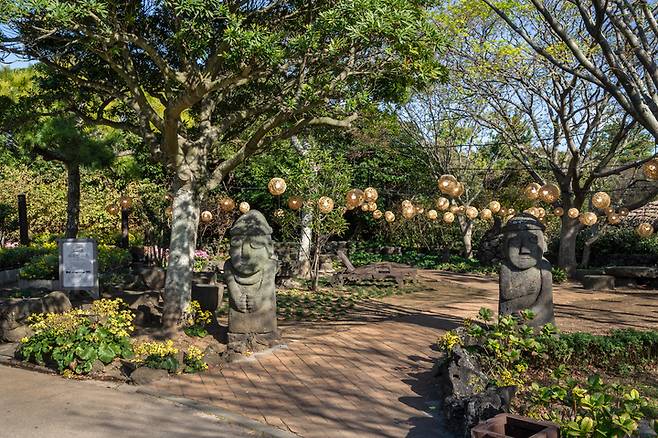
(599, 282)
(209, 296)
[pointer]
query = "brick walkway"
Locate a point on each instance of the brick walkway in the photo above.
(371, 377)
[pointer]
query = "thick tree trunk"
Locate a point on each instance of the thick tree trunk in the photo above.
(587, 247)
(305, 244)
(184, 226)
(466, 227)
(72, 200)
(567, 252)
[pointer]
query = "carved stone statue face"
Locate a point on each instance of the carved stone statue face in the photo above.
(251, 244)
(524, 242)
(250, 254)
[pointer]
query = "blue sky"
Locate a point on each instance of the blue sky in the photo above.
(13, 62)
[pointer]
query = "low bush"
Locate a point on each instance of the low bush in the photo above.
(197, 320)
(193, 360)
(11, 258)
(74, 340)
(512, 353)
(423, 261)
(45, 265)
(42, 267)
(158, 355)
(559, 275)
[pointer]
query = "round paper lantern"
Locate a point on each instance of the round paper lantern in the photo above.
(112, 209)
(532, 211)
(419, 209)
(244, 207)
(614, 219)
(389, 216)
(559, 212)
(277, 186)
(494, 206)
(644, 229)
(206, 216)
(486, 214)
(354, 198)
(226, 204)
(125, 202)
(549, 193)
(532, 191)
(457, 190)
(601, 200)
(511, 212)
(588, 219)
(650, 169)
(448, 217)
(408, 211)
(169, 211)
(541, 212)
(454, 209)
(377, 214)
(406, 203)
(447, 183)
(442, 204)
(279, 213)
(432, 215)
(372, 206)
(461, 210)
(573, 213)
(471, 212)
(371, 194)
(295, 202)
(624, 212)
(325, 204)
(502, 211)
(364, 207)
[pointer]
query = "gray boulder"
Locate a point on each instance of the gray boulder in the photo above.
(145, 375)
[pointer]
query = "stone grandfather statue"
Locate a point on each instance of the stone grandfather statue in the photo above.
(249, 277)
(525, 277)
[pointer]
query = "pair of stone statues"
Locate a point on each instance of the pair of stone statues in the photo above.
(525, 277)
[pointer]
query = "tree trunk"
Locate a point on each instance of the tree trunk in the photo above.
(587, 247)
(315, 266)
(466, 227)
(304, 254)
(72, 200)
(184, 226)
(567, 252)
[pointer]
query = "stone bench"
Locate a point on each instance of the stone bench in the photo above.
(599, 282)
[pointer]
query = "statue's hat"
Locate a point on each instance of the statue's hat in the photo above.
(252, 223)
(523, 222)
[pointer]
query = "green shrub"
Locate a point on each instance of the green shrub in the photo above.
(193, 360)
(587, 409)
(423, 261)
(511, 353)
(619, 352)
(11, 258)
(112, 258)
(158, 355)
(42, 267)
(559, 275)
(197, 320)
(74, 340)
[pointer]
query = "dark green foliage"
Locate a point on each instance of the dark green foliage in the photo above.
(423, 261)
(559, 275)
(622, 246)
(11, 258)
(621, 352)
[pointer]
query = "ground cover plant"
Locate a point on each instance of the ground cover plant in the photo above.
(592, 385)
(72, 341)
(326, 303)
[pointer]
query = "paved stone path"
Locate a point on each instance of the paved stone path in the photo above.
(371, 376)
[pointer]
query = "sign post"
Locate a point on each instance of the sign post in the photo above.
(78, 265)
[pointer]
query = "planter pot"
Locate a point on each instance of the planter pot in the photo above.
(209, 296)
(38, 284)
(515, 426)
(204, 277)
